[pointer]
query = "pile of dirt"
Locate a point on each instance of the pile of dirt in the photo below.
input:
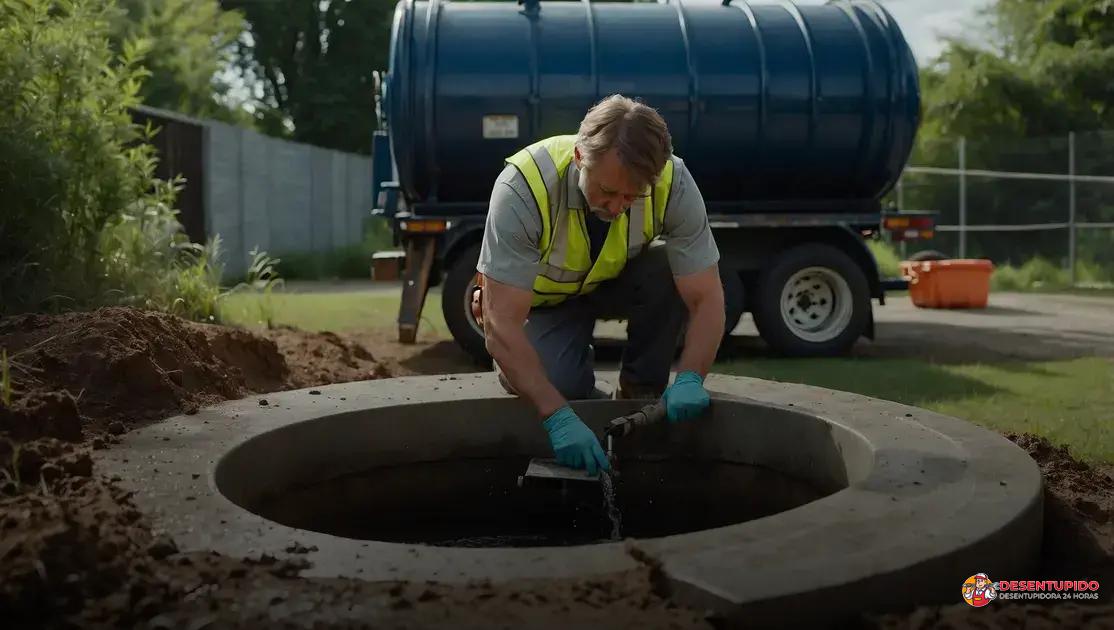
(79, 374)
(121, 365)
(323, 358)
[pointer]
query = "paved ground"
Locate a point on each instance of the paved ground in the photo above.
(1015, 325)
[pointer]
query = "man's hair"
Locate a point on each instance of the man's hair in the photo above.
(637, 132)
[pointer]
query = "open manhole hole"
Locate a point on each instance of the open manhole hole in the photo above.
(447, 474)
(477, 503)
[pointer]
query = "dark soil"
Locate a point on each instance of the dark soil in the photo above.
(323, 358)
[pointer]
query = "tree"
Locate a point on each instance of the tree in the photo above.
(313, 62)
(189, 43)
(1042, 72)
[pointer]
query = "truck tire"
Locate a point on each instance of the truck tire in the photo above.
(456, 304)
(812, 301)
(927, 255)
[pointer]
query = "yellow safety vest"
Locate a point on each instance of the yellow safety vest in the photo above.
(567, 268)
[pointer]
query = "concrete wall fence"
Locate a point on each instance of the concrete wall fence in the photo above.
(257, 191)
(279, 196)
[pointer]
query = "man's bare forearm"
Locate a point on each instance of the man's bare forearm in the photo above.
(522, 367)
(705, 331)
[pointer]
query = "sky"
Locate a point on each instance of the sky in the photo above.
(922, 21)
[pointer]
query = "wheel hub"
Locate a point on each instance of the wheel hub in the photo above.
(812, 301)
(815, 304)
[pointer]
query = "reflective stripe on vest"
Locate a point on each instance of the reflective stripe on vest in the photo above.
(567, 268)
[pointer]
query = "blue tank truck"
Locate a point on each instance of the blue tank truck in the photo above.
(794, 120)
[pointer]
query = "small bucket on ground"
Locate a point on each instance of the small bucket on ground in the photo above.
(958, 283)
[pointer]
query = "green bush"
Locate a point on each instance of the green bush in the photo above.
(85, 221)
(1041, 274)
(889, 262)
(350, 262)
(1092, 274)
(148, 262)
(1036, 273)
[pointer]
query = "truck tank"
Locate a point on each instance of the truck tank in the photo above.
(767, 103)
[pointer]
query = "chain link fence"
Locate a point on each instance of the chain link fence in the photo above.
(1017, 201)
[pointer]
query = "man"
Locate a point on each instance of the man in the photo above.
(568, 240)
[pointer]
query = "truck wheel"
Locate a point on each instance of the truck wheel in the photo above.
(812, 301)
(456, 304)
(928, 254)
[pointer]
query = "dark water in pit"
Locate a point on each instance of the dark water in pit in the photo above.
(477, 503)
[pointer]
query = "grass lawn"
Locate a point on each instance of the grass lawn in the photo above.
(335, 312)
(1069, 402)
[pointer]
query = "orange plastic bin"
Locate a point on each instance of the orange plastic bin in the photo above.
(959, 283)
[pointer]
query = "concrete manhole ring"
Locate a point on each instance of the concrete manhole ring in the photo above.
(914, 502)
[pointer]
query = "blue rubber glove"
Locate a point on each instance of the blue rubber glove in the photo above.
(686, 398)
(574, 443)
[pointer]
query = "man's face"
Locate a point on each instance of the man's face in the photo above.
(608, 187)
(980, 582)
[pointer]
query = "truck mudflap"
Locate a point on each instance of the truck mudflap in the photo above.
(415, 285)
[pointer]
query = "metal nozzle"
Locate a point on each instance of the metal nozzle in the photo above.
(650, 414)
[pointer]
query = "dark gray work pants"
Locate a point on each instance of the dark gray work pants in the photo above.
(645, 295)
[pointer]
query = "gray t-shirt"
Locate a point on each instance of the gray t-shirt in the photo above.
(511, 254)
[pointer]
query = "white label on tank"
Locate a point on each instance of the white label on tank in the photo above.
(500, 126)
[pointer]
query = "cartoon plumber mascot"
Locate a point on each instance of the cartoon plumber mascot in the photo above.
(981, 593)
